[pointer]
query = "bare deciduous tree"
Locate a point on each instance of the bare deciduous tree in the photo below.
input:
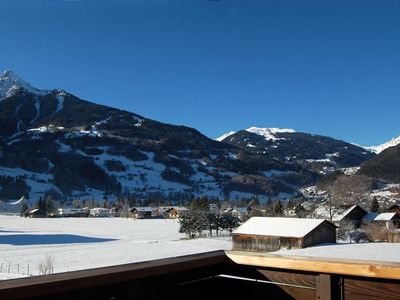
(46, 266)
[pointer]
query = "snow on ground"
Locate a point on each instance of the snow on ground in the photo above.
(83, 243)
(388, 252)
(60, 103)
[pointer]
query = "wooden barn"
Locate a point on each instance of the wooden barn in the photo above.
(262, 234)
(352, 215)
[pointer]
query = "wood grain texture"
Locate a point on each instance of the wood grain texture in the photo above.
(372, 269)
(356, 289)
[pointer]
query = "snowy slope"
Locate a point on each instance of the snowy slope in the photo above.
(378, 149)
(224, 136)
(57, 141)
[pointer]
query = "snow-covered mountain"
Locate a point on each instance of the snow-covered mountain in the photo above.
(50, 140)
(270, 134)
(267, 133)
(378, 149)
(224, 136)
(318, 153)
(10, 83)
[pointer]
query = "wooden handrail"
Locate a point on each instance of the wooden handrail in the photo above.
(373, 269)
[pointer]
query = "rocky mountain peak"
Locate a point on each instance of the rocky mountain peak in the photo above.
(10, 82)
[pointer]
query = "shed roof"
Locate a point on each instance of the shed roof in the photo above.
(385, 216)
(288, 227)
(347, 211)
(370, 216)
(144, 209)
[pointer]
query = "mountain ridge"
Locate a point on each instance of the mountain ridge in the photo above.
(55, 141)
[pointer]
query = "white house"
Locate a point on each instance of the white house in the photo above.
(100, 212)
(73, 212)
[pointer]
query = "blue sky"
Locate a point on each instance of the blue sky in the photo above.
(326, 67)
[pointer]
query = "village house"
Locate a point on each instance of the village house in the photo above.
(144, 212)
(37, 213)
(99, 212)
(266, 234)
(177, 212)
(389, 219)
(73, 212)
(239, 212)
(353, 215)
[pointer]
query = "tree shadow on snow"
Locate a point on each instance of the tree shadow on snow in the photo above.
(48, 239)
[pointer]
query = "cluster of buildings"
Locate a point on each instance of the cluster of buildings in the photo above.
(357, 216)
(168, 212)
(268, 234)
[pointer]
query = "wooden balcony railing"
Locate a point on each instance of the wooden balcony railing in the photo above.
(217, 275)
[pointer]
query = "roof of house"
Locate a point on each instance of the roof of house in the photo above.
(385, 217)
(180, 208)
(288, 227)
(144, 209)
(346, 212)
(370, 216)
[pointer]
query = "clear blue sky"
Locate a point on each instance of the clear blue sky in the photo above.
(326, 67)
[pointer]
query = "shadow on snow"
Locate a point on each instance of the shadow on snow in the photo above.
(48, 239)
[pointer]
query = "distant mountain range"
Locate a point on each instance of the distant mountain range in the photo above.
(378, 149)
(53, 141)
(315, 152)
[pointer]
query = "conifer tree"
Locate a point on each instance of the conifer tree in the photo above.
(374, 205)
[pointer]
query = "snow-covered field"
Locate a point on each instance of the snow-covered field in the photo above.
(83, 243)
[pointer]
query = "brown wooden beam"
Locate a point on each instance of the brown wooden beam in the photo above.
(371, 269)
(176, 268)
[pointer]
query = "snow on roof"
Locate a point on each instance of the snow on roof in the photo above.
(344, 214)
(289, 227)
(180, 208)
(143, 209)
(385, 217)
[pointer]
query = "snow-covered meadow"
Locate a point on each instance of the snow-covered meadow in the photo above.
(83, 243)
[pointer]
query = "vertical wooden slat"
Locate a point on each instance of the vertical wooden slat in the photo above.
(329, 287)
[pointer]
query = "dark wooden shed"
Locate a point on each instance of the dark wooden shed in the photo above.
(353, 215)
(263, 234)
